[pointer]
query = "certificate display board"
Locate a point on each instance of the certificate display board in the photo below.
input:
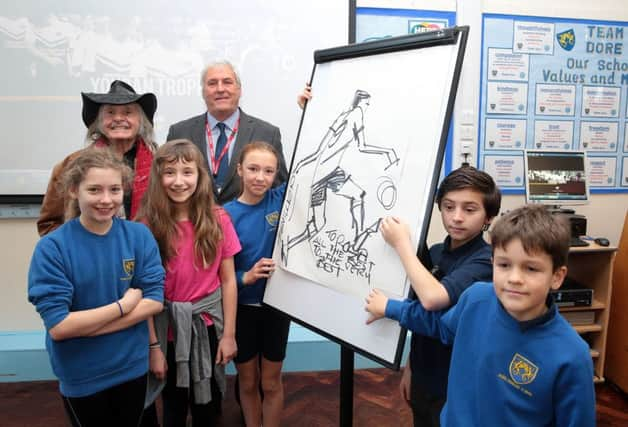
(356, 161)
(553, 83)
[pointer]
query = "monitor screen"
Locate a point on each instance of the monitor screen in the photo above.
(556, 177)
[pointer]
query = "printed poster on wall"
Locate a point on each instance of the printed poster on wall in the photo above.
(555, 84)
(624, 172)
(602, 171)
(507, 98)
(505, 133)
(507, 170)
(598, 136)
(555, 100)
(504, 64)
(600, 101)
(533, 37)
(551, 134)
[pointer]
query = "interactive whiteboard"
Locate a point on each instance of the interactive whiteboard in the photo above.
(53, 51)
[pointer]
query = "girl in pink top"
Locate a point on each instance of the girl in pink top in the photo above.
(197, 243)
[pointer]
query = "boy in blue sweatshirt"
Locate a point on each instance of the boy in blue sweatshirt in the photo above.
(516, 361)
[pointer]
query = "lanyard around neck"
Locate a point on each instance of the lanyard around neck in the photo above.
(215, 162)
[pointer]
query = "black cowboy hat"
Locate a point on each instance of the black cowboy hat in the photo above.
(119, 93)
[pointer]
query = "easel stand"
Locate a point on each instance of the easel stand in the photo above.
(346, 386)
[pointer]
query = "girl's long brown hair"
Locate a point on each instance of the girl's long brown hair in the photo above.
(158, 212)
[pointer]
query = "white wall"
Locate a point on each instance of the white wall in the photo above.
(18, 238)
(611, 10)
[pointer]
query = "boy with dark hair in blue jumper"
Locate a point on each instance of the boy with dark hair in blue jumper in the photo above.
(468, 200)
(516, 361)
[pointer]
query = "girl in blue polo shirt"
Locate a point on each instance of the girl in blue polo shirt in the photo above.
(261, 332)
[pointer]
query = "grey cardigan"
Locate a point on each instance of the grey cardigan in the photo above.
(191, 343)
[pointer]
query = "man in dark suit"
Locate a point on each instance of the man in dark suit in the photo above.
(222, 131)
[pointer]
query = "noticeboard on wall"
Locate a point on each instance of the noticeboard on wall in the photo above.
(554, 83)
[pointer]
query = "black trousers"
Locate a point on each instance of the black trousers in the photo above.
(426, 408)
(177, 400)
(120, 406)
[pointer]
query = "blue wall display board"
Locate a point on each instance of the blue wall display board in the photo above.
(379, 23)
(553, 83)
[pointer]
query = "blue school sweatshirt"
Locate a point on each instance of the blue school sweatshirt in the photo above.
(73, 269)
(505, 372)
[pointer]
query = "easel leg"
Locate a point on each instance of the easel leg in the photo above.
(346, 386)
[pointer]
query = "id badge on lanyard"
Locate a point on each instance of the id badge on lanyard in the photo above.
(215, 162)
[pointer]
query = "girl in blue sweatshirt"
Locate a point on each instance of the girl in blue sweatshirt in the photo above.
(94, 281)
(261, 332)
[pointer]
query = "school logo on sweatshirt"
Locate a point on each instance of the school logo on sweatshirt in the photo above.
(272, 218)
(522, 371)
(129, 268)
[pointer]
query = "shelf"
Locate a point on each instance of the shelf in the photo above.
(593, 247)
(596, 305)
(583, 329)
(593, 267)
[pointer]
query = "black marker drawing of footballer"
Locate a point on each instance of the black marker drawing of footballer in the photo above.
(327, 213)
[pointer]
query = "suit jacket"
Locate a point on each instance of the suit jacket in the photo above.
(251, 129)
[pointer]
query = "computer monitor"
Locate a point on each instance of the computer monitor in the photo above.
(556, 178)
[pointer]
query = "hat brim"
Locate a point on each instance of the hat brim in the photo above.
(93, 101)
